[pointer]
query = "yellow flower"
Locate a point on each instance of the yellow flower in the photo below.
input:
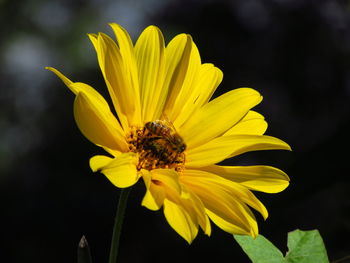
(168, 132)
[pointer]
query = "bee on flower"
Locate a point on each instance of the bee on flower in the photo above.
(169, 133)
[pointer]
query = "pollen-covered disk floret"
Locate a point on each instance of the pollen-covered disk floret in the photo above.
(154, 151)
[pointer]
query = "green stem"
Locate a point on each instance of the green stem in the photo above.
(118, 224)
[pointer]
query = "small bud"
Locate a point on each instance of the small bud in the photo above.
(84, 255)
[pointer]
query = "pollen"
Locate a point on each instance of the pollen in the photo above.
(156, 148)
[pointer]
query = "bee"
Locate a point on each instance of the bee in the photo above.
(158, 149)
(164, 130)
(162, 142)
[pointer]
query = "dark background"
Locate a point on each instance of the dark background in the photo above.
(295, 52)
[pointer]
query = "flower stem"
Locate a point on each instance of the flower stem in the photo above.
(118, 224)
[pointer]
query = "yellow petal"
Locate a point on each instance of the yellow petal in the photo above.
(224, 147)
(219, 201)
(149, 52)
(93, 39)
(252, 123)
(120, 171)
(188, 86)
(248, 143)
(99, 161)
(220, 114)
(129, 61)
(91, 94)
(124, 97)
(209, 77)
(98, 124)
(163, 187)
(254, 230)
(231, 227)
(158, 183)
(177, 54)
(233, 189)
(77, 87)
(180, 220)
(226, 225)
(194, 205)
(155, 193)
(65, 80)
(167, 178)
(127, 53)
(259, 178)
(190, 202)
(153, 198)
(114, 153)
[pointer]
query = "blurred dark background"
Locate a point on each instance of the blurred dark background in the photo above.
(295, 52)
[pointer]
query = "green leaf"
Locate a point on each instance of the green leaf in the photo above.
(306, 247)
(260, 250)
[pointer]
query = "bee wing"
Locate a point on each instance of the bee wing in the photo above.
(166, 121)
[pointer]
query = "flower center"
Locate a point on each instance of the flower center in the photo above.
(158, 146)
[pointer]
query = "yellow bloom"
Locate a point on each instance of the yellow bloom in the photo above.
(169, 133)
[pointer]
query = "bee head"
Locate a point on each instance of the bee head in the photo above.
(182, 148)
